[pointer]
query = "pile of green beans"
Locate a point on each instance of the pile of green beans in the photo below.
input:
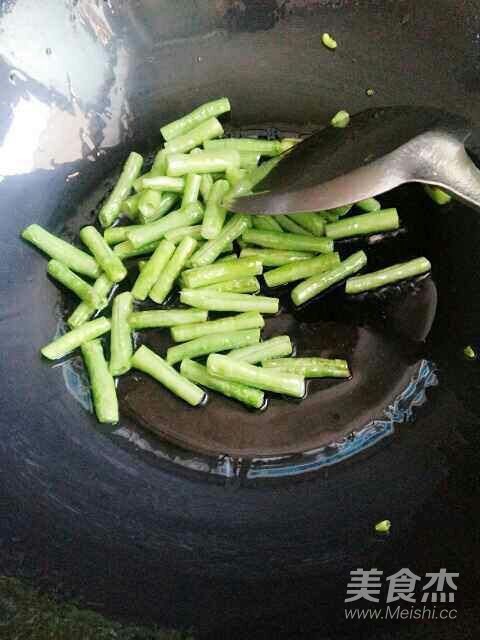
(175, 218)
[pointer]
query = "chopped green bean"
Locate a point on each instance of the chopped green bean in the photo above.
(213, 248)
(253, 376)
(249, 320)
(154, 267)
(364, 224)
(159, 165)
(215, 214)
(249, 159)
(71, 340)
(238, 285)
(193, 119)
(213, 273)
(111, 209)
(266, 223)
(103, 254)
(102, 287)
(102, 383)
(172, 270)
(328, 41)
(144, 359)
(206, 130)
(311, 367)
(204, 345)
(369, 205)
(121, 346)
(115, 235)
(180, 164)
(273, 348)
(71, 281)
(192, 189)
(437, 195)
(167, 201)
(253, 145)
(162, 183)
(198, 373)
(313, 222)
(169, 318)
(273, 258)
(291, 226)
(192, 214)
(332, 215)
(470, 353)
(67, 254)
(214, 301)
(206, 184)
(301, 269)
(149, 204)
(234, 175)
(130, 206)
(319, 282)
(175, 235)
(396, 272)
(126, 249)
(340, 120)
(288, 241)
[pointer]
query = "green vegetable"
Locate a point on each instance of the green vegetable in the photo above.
(212, 343)
(121, 347)
(437, 195)
(470, 353)
(172, 270)
(313, 222)
(253, 376)
(235, 174)
(239, 285)
(130, 206)
(102, 383)
(397, 272)
(311, 367)
(148, 233)
(169, 318)
(192, 189)
(161, 183)
(249, 320)
(71, 340)
(319, 282)
(266, 223)
(152, 270)
(263, 147)
(364, 224)
(80, 288)
(102, 287)
(112, 207)
(288, 224)
(175, 235)
(273, 348)
(215, 213)
(340, 120)
(213, 273)
(369, 205)
(58, 249)
(213, 301)
(159, 165)
(213, 248)
(206, 130)
(249, 159)
(206, 184)
(180, 164)
(167, 201)
(149, 204)
(288, 241)
(199, 374)
(301, 269)
(115, 235)
(383, 527)
(103, 254)
(126, 249)
(273, 258)
(200, 114)
(328, 41)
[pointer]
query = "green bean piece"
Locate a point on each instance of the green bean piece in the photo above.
(102, 384)
(198, 373)
(64, 252)
(340, 120)
(364, 224)
(180, 164)
(193, 119)
(283, 382)
(288, 241)
(234, 175)
(470, 353)
(103, 254)
(273, 348)
(178, 234)
(252, 145)
(151, 272)
(228, 248)
(214, 301)
(159, 166)
(215, 213)
(138, 183)
(192, 214)
(319, 282)
(121, 344)
(115, 235)
(245, 185)
(249, 320)
(213, 248)
(369, 205)
(311, 367)
(167, 201)
(266, 223)
(71, 340)
(213, 273)
(380, 278)
(130, 206)
(192, 189)
(204, 345)
(291, 226)
(102, 287)
(313, 222)
(437, 195)
(71, 281)
(228, 257)
(206, 184)
(206, 130)
(249, 159)
(273, 258)
(111, 209)
(162, 183)
(126, 249)
(169, 318)
(332, 215)
(328, 41)
(301, 269)
(146, 360)
(172, 270)
(149, 204)
(238, 285)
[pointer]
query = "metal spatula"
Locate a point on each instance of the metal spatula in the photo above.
(380, 149)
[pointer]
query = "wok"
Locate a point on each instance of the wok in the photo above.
(233, 525)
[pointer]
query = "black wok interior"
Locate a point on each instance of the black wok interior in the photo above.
(192, 545)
